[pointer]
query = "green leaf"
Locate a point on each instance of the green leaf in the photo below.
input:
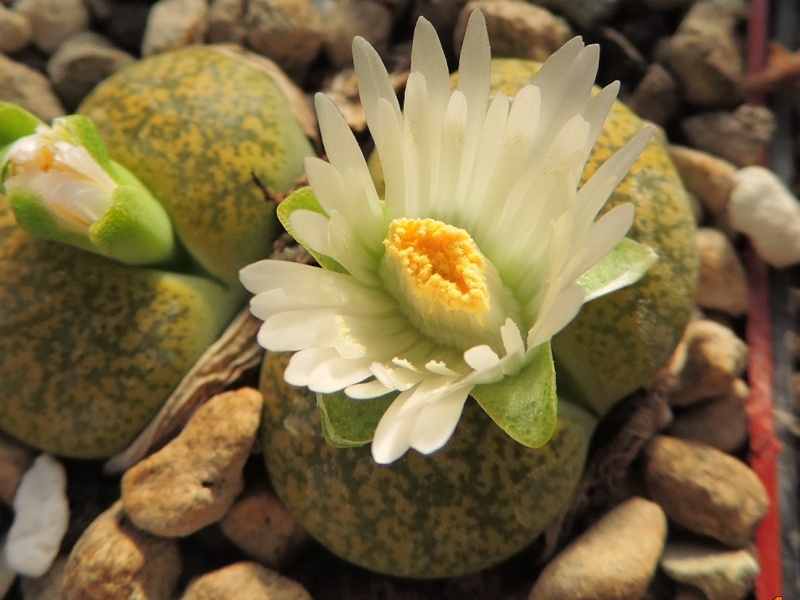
(84, 133)
(304, 199)
(15, 122)
(348, 423)
(35, 217)
(621, 267)
(524, 405)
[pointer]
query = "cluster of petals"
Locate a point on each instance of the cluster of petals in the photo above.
(504, 170)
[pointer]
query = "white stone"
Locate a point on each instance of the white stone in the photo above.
(768, 213)
(41, 518)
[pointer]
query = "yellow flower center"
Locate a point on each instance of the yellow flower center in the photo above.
(441, 264)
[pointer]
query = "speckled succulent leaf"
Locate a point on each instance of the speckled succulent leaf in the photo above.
(15, 122)
(135, 230)
(33, 216)
(349, 423)
(304, 199)
(524, 406)
(623, 266)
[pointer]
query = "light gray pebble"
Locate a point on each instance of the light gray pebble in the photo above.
(740, 136)
(53, 21)
(290, 32)
(349, 18)
(720, 573)
(705, 54)
(81, 62)
(15, 30)
(29, 89)
(174, 24)
(225, 22)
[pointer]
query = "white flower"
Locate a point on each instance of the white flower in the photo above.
(467, 266)
(54, 167)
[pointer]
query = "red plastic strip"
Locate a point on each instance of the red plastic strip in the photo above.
(764, 446)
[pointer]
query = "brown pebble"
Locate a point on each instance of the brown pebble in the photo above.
(723, 282)
(15, 460)
(720, 422)
(614, 560)
(193, 480)
(47, 587)
(708, 177)
(260, 526)
(113, 560)
(709, 358)
(705, 490)
(244, 581)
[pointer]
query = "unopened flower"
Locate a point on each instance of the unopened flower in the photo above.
(63, 186)
(483, 247)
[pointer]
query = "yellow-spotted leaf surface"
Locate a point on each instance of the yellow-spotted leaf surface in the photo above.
(479, 500)
(89, 348)
(207, 131)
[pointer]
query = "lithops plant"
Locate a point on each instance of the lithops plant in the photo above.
(90, 348)
(453, 436)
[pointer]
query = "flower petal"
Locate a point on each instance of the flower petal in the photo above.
(556, 315)
(435, 423)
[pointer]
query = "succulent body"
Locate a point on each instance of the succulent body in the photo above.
(90, 349)
(484, 497)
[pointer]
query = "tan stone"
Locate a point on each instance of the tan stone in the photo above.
(706, 176)
(707, 491)
(708, 359)
(15, 30)
(113, 560)
(516, 29)
(174, 24)
(54, 21)
(245, 580)
(719, 422)
(21, 85)
(193, 480)
(723, 283)
(260, 526)
(349, 18)
(720, 573)
(615, 559)
(290, 32)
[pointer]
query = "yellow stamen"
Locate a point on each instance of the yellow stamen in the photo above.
(441, 264)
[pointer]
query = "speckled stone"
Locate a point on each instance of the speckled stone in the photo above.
(244, 581)
(614, 560)
(720, 573)
(192, 481)
(707, 491)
